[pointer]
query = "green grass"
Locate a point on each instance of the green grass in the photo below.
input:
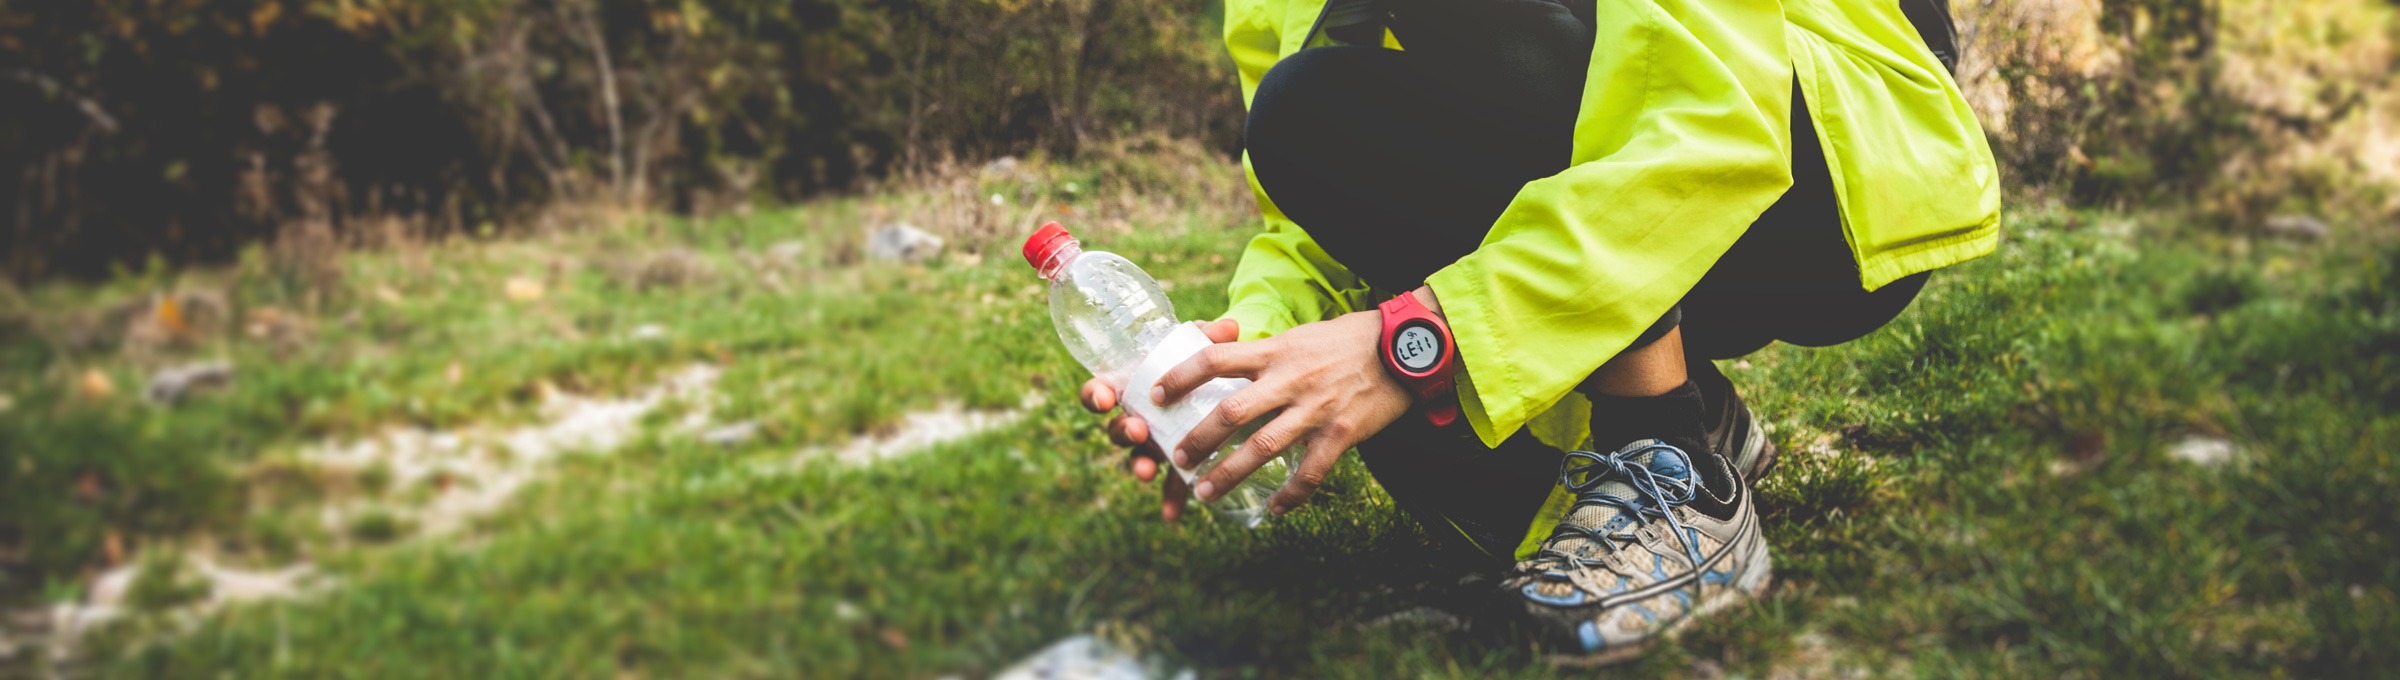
(1980, 489)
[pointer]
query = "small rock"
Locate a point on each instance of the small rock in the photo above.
(95, 385)
(1071, 188)
(1001, 166)
(2202, 451)
(903, 243)
(649, 331)
(521, 289)
(1081, 657)
(997, 200)
(732, 435)
(846, 612)
(2298, 227)
(170, 386)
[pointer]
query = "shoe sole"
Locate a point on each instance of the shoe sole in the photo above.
(1756, 443)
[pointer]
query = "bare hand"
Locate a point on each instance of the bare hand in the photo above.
(1328, 380)
(1128, 430)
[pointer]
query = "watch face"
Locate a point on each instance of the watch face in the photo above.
(1416, 347)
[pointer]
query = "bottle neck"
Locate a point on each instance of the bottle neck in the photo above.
(1058, 260)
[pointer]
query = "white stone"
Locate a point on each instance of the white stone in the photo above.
(2202, 451)
(1082, 657)
(903, 243)
(170, 386)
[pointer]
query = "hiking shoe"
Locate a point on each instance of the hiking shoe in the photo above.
(1649, 545)
(1732, 429)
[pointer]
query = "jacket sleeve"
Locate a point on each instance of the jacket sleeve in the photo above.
(1683, 140)
(1284, 278)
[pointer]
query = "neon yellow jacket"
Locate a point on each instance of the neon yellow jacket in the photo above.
(1581, 262)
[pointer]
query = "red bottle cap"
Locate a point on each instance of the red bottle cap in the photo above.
(1046, 242)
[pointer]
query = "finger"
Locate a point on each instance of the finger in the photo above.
(1098, 397)
(1262, 447)
(1222, 330)
(1128, 430)
(1229, 360)
(1314, 466)
(1172, 495)
(1144, 468)
(1243, 407)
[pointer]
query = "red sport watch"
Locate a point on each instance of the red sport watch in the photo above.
(1417, 349)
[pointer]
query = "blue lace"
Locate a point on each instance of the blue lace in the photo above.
(1655, 495)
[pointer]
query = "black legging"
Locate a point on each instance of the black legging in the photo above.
(1398, 162)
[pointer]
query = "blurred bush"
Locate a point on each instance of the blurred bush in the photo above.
(2240, 108)
(184, 128)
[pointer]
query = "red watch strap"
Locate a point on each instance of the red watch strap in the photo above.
(1432, 385)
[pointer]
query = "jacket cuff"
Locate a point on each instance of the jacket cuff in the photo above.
(1486, 385)
(1260, 319)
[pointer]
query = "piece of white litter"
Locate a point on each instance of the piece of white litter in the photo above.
(2202, 451)
(997, 200)
(1084, 657)
(649, 331)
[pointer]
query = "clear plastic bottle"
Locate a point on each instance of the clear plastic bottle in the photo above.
(1117, 321)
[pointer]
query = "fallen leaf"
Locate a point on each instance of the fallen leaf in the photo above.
(386, 294)
(96, 385)
(170, 317)
(455, 373)
(893, 636)
(114, 546)
(521, 289)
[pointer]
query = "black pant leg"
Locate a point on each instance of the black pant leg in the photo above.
(1791, 277)
(1395, 172)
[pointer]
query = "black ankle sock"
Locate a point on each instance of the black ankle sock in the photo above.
(1673, 417)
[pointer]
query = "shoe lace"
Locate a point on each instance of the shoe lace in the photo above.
(1655, 495)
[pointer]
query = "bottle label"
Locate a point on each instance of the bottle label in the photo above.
(1169, 423)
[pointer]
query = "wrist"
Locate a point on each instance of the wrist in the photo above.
(1426, 298)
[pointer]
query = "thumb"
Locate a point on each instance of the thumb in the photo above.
(1222, 330)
